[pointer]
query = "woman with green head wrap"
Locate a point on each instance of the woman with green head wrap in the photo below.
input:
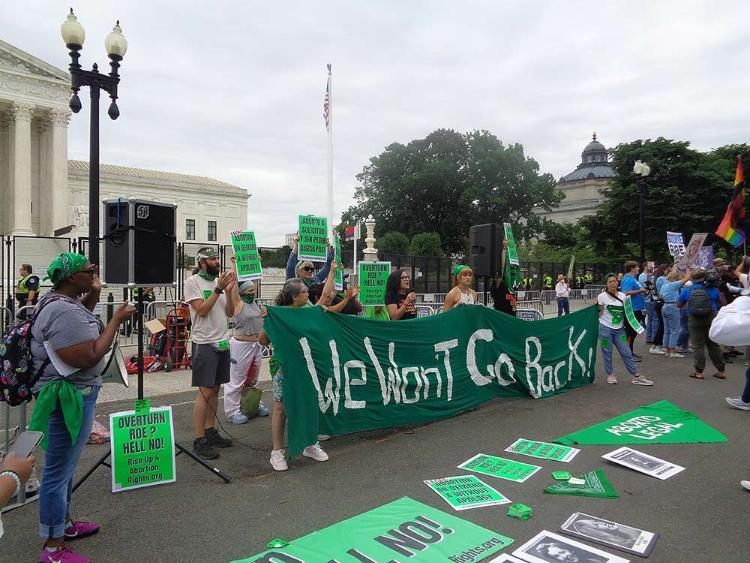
(462, 292)
(68, 346)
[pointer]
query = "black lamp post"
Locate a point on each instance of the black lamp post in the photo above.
(641, 170)
(116, 46)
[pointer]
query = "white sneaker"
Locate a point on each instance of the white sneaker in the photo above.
(640, 380)
(278, 460)
(656, 350)
(738, 403)
(745, 485)
(675, 355)
(315, 452)
(324, 437)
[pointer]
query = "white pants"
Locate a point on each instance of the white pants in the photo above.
(244, 370)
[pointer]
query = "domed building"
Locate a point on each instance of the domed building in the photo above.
(583, 186)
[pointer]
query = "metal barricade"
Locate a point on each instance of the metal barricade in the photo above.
(529, 314)
(150, 313)
(425, 311)
(532, 305)
(6, 319)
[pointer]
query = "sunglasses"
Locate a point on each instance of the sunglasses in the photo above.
(404, 277)
(89, 271)
(308, 269)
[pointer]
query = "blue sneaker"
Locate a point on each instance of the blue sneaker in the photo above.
(238, 418)
(262, 410)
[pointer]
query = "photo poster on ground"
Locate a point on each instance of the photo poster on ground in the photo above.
(465, 492)
(340, 270)
(648, 464)
(611, 534)
(373, 277)
(512, 248)
(675, 244)
(548, 547)
(246, 256)
(692, 250)
(313, 238)
(142, 447)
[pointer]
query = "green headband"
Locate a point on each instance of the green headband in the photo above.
(64, 265)
(458, 268)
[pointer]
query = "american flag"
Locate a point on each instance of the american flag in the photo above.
(327, 101)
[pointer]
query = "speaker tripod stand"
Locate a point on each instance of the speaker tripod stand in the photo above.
(180, 448)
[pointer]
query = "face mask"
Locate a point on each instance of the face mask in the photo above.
(248, 298)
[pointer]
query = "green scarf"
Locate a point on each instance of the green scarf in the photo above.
(207, 276)
(71, 402)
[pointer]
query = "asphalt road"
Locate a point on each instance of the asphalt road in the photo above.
(701, 514)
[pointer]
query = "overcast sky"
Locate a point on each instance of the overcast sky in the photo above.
(233, 89)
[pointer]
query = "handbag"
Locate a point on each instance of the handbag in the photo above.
(249, 400)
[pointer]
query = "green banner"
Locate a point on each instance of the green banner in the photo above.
(347, 374)
(313, 238)
(466, 492)
(542, 450)
(512, 248)
(372, 279)
(630, 315)
(658, 423)
(246, 257)
(142, 448)
(402, 530)
(596, 486)
(500, 467)
(340, 271)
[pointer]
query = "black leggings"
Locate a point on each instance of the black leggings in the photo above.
(746, 393)
(640, 315)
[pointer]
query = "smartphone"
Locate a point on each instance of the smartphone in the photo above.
(25, 443)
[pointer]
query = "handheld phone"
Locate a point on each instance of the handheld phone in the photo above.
(25, 443)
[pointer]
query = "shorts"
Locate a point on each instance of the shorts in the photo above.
(210, 366)
(278, 392)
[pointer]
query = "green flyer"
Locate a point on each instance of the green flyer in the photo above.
(247, 259)
(402, 530)
(142, 448)
(313, 238)
(542, 450)
(340, 271)
(512, 249)
(596, 486)
(466, 492)
(372, 279)
(499, 467)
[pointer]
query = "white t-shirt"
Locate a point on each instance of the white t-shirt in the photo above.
(562, 289)
(613, 314)
(213, 327)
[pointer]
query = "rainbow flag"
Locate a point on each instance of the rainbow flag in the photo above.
(730, 228)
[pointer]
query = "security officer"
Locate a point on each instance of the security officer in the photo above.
(27, 290)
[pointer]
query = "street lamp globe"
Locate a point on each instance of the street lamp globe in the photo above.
(641, 168)
(115, 42)
(72, 32)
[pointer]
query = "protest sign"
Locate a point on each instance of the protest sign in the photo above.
(499, 467)
(630, 316)
(612, 534)
(397, 531)
(546, 547)
(704, 259)
(692, 250)
(466, 492)
(349, 374)
(542, 450)
(313, 238)
(595, 485)
(142, 448)
(339, 281)
(638, 461)
(675, 244)
(512, 249)
(372, 279)
(658, 423)
(246, 257)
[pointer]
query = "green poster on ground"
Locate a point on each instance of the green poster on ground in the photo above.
(313, 238)
(402, 530)
(466, 492)
(372, 279)
(500, 467)
(340, 271)
(512, 249)
(658, 423)
(142, 448)
(596, 486)
(344, 373)
(246, 257)
(542, 450)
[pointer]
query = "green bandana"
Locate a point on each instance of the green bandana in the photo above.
(458, 268)
(64, 265)
(248, 298)
(207, 276)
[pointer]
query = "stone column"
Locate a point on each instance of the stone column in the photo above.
(20, 215)
(59, 195)
(40, 200)
(6, 195)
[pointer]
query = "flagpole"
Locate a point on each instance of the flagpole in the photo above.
(330, 153)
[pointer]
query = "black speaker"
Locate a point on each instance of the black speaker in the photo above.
(484, 252)
(139, 242)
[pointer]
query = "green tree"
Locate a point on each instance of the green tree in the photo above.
(426, 244)
(393, 243)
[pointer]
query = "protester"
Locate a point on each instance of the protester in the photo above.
(620, 275)
(562, 293)
(210, 311)
(68, 345)
(399, 297)
(669, 292)
(660, 278)
(503, 298)
(462, 292)
(647, 279)
(293, 294)
(304, 269)
(631, 287)
(612, 333)
(245, 351)
(14, 473)
(27, 290)
(377, 313)
(346, 302)
(702, 303)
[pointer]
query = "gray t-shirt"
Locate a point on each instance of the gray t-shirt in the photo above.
(249, 321)
(64, 323)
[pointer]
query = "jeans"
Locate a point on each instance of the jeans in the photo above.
(563, 305)
(682, 339)
(698, 327)
(60, 465)
(609, 337)
(652, 322)
(671, 315)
